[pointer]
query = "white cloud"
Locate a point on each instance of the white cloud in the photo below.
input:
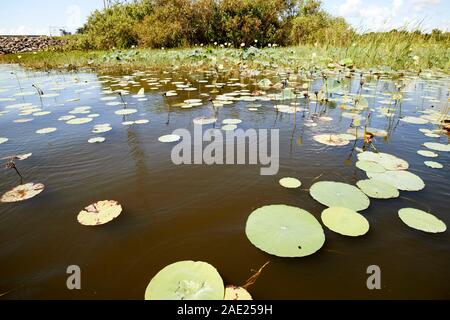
(393, 14)
(397, 4)
(73, 20)
(374, 17)
(419, 5)
(349, 8)
(24, 30)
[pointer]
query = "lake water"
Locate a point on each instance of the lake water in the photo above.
(198, 212)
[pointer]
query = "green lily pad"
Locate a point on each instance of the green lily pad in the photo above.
(388, 161)
(338, 194)
(426, 153)
(169, 138)
(290, 183)
(370, 166)
(236, 293)
(414, 120)
(331, 140)
(345, 221)
(186, 280)
(433, 164)
(437, 146)
(378, 189)
(402, 180)
(284, 231)
(421, 220)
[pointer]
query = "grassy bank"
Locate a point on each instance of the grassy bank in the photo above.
(372, 55)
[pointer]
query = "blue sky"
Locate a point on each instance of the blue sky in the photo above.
(45, 16)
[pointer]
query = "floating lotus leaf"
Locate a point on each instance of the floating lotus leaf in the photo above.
(331, 140)
(124, 112)
(142, 121)
(79, 121)
(22, 157)
(402, 180)
(99, 213)
(437, 146)
(232, 121)
(229, 127)
(114, 103)
(192, 101)
(24, 120)
(236, 293)
(378, 189)
(186, 280)
(345, 221)
(432, 135)
(96, 140)
(377, 132)
(22, 192)
(426, 153)
(3, 140)
(391, 162)
(388, 161)
(204, 121)
(347, 136)
(108, 98)
(169, 138)
(414, 120)
(65, 118)
(433, 164)
(101, 128)
(290, 183)
(421, 220)
(284, 231)
(46, 130)
(370, 166)
(41, 113)
(338, 194)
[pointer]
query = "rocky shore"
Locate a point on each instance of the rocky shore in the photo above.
(18, 44)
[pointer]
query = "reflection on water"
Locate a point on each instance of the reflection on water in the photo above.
(195, 212)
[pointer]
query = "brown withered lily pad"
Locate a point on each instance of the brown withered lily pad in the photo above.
(22, 192)
(99, 213)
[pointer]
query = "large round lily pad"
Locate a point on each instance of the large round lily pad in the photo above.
(388, 161)
(433, 164)
(426, 153)
(186, 280)
(331, 140)
(421, 220)
(345, 221)
(338, 194)
(402, 180)
(99, 213)
(22, 192)
(378, 189)
(437, 146)
(284, 231)
(414, 120)
(236, 293)
(169, 138)
(369, 166)
(290, 183)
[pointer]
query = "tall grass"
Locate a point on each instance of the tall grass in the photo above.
(395, 50)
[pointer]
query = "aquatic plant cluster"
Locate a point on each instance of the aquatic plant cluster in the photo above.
(173, 23)
(371, 101)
